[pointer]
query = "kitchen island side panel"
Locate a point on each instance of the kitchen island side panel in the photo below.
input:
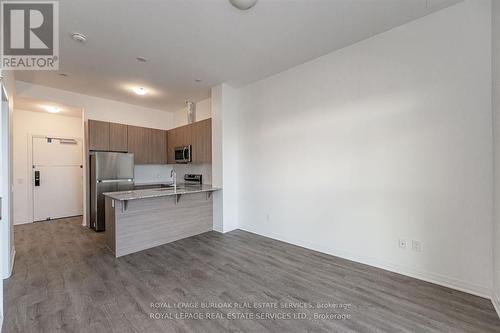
(146, 223)
(110, 232)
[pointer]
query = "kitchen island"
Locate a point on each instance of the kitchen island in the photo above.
(142, 219)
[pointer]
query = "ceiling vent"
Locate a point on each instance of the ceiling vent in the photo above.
(191, 112)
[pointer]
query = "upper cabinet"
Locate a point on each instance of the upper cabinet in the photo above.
(98, 135)
(152, 146)
(139, 141)
(148, 145)
(198, 135)
(118, 137)
(201, 139)
(104, 136)
(158, 152)
(178, 137)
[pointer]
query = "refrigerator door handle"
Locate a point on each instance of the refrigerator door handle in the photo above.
(107, 181)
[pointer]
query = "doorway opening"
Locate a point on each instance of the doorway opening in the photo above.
(48, 161)
(7, 252)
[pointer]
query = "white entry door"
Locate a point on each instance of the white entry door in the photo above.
(57, 178)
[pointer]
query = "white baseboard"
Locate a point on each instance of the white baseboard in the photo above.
(12, 261)
(19, 222)
(495, 299)
(7, 274)
(444, 281)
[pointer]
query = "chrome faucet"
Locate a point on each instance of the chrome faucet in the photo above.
(173, 174)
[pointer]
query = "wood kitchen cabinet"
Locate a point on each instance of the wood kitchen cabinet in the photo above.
(118, 137)
(201, 139)
(152, 146)
(172, 139)
(139, 143)
(198, 135)
(148, 145)
(98, 135)
(158, 149)
(105, 136)
(177, 137)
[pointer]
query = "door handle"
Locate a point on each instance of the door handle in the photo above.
(37, 178)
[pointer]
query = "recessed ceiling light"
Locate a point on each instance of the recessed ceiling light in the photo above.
(81, 38)
(141, 59)
(141, 91)
(51, 109)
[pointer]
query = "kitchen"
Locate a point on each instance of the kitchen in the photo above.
(116, 150)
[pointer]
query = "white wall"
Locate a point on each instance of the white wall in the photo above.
(26, 124)
(388, 138)
(7, 249)
(496, 114)
(203, 111)
(225, 156)
(99, 108)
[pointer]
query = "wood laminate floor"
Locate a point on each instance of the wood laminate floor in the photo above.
(65, 279)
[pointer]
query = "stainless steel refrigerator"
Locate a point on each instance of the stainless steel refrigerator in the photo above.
(109, 172)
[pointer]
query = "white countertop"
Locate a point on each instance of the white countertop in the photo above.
(160, 192)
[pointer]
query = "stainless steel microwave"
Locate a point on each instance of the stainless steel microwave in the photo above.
(183, 154)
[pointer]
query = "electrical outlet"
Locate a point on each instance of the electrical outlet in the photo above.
(402, 243)
(416, 246)
(268, 217)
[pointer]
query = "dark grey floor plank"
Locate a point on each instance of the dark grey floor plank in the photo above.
(65, 280)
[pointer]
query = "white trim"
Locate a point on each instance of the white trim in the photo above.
(495, 299)
(12, 258)
(8, 273)
(442, 280)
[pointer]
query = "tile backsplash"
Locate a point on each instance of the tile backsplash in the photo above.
(153, 174)
(203, 169)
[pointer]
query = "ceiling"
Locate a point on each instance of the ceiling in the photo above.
(185, 40)
(37, 105)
